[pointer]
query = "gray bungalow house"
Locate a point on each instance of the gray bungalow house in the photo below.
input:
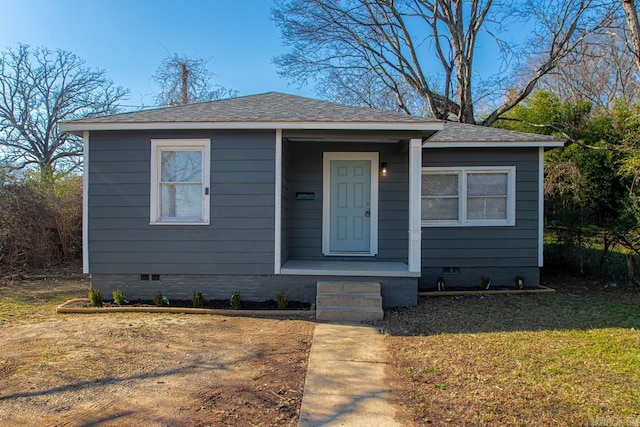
(276, 192)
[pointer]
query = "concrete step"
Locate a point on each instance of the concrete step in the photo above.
(349, 314)
(348, 287)
(349, 300)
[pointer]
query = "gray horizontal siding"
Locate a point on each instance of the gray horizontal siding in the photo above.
(239, 239)
(284, 211)
(500, 252)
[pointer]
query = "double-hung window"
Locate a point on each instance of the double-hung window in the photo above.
(180, 181)
(468, 196)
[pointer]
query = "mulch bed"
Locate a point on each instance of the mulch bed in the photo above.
(209, 304)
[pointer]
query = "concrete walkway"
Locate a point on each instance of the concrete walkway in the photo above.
(345, 383)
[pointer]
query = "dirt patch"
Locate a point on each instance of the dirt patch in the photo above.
(145, 369)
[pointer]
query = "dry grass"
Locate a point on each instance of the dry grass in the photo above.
(33, 301)
(572, 358)
(144, 369)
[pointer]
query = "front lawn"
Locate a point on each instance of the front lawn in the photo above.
(142, 369)
(571, 358)
(34, 301)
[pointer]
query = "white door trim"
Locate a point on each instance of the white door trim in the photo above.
(326, 199)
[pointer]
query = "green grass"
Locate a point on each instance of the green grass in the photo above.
(585, 262)
(35, 301)
(571, 358)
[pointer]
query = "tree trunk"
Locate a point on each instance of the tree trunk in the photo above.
(47, 175)
(631, 14)
(465, 114)
(184, 79)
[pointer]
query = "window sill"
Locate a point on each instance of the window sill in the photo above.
(178, 223)
(467, 224)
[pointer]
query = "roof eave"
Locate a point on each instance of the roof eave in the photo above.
(79, 127)
(493, 144)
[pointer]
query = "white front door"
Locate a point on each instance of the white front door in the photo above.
(350, 223)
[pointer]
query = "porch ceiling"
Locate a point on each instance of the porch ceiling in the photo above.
(364, 136)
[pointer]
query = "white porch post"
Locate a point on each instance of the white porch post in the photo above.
(85, 203)
(540, 206)
(415, 189)
(277, 238)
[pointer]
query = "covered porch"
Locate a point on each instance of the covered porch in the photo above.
(307, 227)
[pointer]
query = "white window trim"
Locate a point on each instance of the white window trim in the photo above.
(158, 145)
(462, 196)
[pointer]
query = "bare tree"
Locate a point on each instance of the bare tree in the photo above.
(38, 89)
(430, 45)
(366, 90)
(602, 70)
(184, 80)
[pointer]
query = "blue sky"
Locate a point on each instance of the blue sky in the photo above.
(129, 38)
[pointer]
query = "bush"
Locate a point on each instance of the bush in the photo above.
(118, 297)
(485, 282)
(95, 297)
(160, 300)
(40, 224)
(282, 300)
(235, 300)
(198, 299)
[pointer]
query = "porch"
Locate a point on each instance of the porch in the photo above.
(347, 268)
(390, 239)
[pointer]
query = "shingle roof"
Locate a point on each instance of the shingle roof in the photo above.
(279, 110)
(266, 107)
(454, 132)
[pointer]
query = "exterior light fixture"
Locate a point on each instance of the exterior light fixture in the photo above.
(384, 169)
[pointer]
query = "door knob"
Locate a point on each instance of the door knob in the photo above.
(367, 213)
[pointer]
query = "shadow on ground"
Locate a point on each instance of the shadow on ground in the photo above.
(581, 305)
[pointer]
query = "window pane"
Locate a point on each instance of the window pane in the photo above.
(180, 201)
(487, 184)
(486, 208)
(181, 166)
(440, 209)
(440, 185)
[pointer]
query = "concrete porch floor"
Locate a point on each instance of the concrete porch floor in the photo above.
(347, 268)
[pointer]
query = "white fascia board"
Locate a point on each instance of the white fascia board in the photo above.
(84, 126)
(490, 144)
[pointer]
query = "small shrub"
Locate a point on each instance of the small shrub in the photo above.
(485, 282)
(282, 300)
(441, 283)
(95, 297)
(118, 297)
(235, 300)
(160, 300)
(198, 299)
(519, 279)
